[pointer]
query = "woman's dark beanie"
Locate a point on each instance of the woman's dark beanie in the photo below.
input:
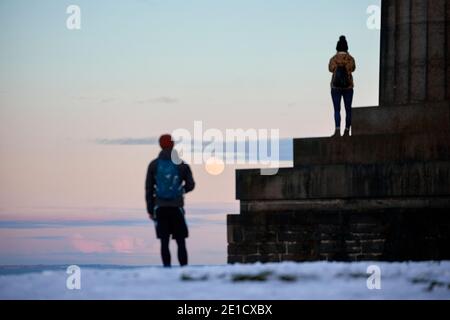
(342, 44)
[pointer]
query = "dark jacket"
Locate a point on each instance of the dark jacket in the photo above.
(186, 178)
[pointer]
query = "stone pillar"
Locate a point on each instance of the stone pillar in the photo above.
(414, 65)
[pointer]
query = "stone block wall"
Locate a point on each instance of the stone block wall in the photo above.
(343, 235)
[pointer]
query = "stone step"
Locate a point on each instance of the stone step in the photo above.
(410, 179)
(404, 119)
(334, 205)
(368, 149)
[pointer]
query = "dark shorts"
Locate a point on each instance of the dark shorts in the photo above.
(170, 221)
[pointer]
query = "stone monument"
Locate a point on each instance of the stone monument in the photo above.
(384, 192)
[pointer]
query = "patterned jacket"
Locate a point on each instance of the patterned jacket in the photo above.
(342, 59)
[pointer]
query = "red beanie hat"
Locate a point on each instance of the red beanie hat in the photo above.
(166, 142)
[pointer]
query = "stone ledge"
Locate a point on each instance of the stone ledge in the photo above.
(331, 205)
(417, 179)
(401, 119)
(369, 149)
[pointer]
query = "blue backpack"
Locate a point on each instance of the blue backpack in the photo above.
(168, 181)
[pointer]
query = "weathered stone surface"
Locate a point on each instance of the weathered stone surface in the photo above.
(448, 49)
(436, 57)
(331, 205)
(413, 52)
(430, 178)
(272, 248)
(388, 52)
(235, 259)
(242, 248)
(405, 120)
(418, 89)
(234, 234)
(392, 235)
(373, 149)
(402, 54)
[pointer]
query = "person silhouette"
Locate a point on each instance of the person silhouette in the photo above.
(168, 180)
(342, 65)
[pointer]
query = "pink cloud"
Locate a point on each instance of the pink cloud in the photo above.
(127, 244)
(124, 244)
(89, 246)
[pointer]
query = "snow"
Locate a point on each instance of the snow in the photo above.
(315, 280)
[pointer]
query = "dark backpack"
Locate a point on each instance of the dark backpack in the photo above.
(168, 181)
(341, 78)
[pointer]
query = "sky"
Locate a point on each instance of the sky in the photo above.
(137, 69)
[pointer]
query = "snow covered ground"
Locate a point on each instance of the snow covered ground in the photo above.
(319, 280)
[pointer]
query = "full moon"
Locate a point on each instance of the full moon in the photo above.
(214, 166)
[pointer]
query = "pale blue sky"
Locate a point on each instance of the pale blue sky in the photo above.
(264, 59)
(140, 68)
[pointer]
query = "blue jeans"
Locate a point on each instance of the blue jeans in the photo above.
(347, 95)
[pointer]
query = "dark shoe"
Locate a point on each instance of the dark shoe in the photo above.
(347, 133)
(336, 134)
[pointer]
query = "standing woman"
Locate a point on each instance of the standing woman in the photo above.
(342, 65)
